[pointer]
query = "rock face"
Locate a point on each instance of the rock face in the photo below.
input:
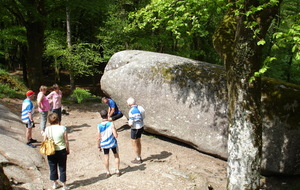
(186, 100)
(21, 163)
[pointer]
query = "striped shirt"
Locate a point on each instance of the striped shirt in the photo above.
(27, 107)
(107, 137)
(136, 117)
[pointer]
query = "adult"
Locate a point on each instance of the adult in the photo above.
(55, 99)
(43, 107)
(59, 160)
(27, 117)
(113, 111)
(136, 121)
(107, 139)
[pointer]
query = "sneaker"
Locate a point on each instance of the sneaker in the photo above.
(55, 186)
(31, 145)
(32, 140)
(136, 161)
(65, 188)
(108, 175)
(118, 173)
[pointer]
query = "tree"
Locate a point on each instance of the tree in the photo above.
(36, 16)
(285, 44)
(182, 27)
(29, 14)
(238, 40)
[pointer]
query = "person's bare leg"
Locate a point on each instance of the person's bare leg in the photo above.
(135, 147)
(106, 162)
(117, 161)
(139, 147)
(28, 134)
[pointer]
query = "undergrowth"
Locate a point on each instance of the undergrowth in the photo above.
(11, 86)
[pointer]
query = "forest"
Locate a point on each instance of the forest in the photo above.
(79, 36)
(252, 39)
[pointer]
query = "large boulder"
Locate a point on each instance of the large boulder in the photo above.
(21, 164)
(187, 100)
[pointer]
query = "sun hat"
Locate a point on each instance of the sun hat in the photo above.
(29, 93)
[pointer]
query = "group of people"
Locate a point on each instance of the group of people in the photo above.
(44, 103)
(107, 132)
(55, 131)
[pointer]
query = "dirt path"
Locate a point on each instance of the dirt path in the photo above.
(166, 166)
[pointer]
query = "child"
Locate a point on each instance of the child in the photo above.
(107, 139)
(27, 117)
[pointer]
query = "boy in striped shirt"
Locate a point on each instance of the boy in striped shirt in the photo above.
(107, 139)
(27, 117)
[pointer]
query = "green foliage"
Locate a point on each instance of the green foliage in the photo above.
(81, 94)
(11, 86)
(7, 92)
(285, 44)
(82, 59)
(55, 44)
(183, 27)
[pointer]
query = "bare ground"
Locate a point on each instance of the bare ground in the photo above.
(167, 165)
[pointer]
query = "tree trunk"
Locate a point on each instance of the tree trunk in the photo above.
(242, 57)
(69, 42)
(56, 71)
(24, 66)
(35, 38)
(245, 125)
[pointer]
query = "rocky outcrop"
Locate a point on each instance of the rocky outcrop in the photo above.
(186, 100)
(21, 164)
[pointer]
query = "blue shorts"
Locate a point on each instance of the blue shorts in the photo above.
(137, 133)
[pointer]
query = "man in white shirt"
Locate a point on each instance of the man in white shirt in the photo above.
(136, 121)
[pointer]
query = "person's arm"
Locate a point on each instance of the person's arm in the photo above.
(98, 141)
(130, 120)
(30, 117)
(45, 135)
(50, 97)
(111, 108)
(114, 130)
(39, 100)
(111, 112)
(67, 142)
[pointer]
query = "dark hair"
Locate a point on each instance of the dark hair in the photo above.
(103, 114)
(55, 86)
(53, 118)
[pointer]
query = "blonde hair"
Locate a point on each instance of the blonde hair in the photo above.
(42, 88)
(53, 118)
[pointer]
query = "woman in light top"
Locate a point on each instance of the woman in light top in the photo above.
(55, 98)
(43, 107)
(59, 160)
